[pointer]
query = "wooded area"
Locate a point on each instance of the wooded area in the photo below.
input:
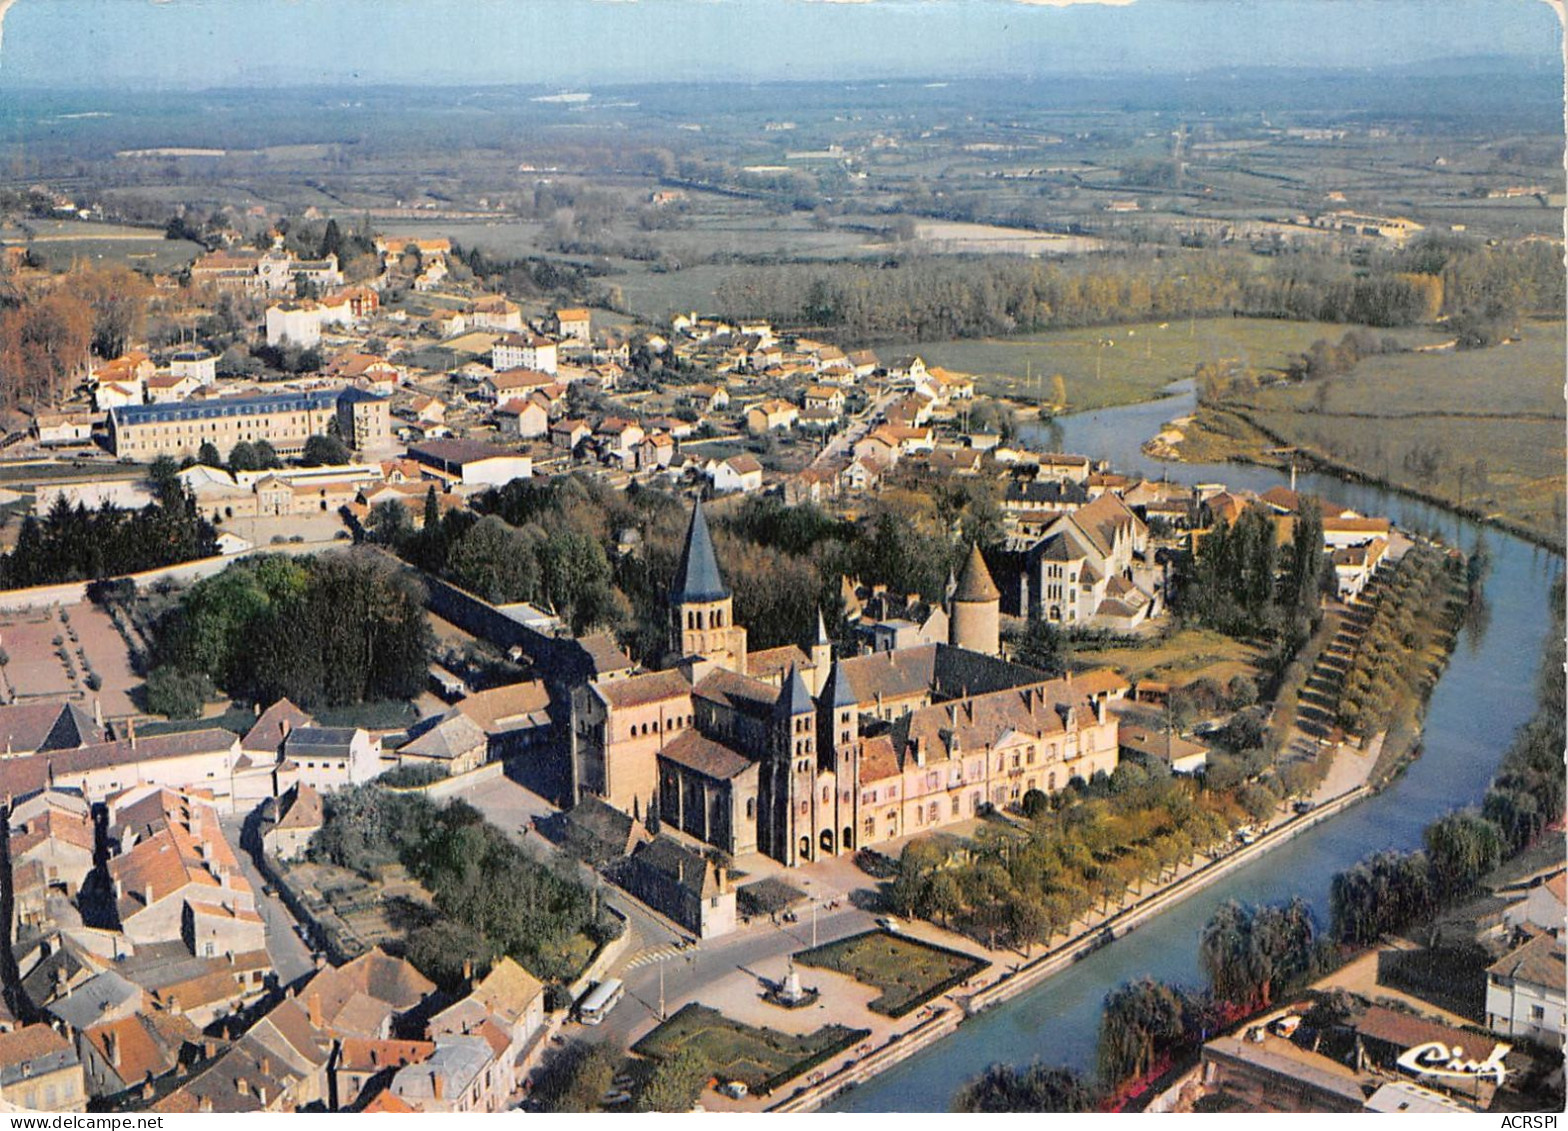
(326, 630)
(493, 897)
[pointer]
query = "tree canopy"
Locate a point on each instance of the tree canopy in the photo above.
(342, 627)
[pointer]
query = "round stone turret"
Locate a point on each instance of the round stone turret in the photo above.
(975, 610)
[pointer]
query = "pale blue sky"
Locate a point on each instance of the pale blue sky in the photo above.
(200, 43)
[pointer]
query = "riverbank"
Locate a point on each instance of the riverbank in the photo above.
(1097, 934)
(1480, 699)
(1207, 427)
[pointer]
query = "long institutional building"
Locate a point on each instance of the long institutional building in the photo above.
(793, 754)
(284, 420)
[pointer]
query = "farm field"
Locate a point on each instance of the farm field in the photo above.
(1515, 378)
(1107, 366)
(762, 1059)
(957, 238)
(655, 295)
(907, 971)
(59, 243)
(1481, 428)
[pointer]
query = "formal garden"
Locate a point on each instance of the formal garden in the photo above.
(762, 1059)
(908, 972)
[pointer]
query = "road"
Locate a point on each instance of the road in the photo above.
(843, 443)
(291, 958)
(655, 944)
(686, 974)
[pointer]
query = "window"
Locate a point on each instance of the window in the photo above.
(955, 804)
(751, 808)
(1537, 1013)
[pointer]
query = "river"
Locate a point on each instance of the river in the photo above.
(1486, 691)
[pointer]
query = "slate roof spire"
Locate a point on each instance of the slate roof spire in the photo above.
(697, 581)
(838, 691)
(975, 583)
(794, 698)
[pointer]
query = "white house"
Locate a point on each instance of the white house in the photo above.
(524, 351)
(296, 322)
(524, 417)
(199, 365)
(738, 473)
(117, 394)
(168, 388)
(496, 312)
(1525, 991)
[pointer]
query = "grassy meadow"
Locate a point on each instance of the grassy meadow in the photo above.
(1481, 428)
(1104, 366)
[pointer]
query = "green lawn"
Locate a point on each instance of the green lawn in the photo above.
(147, 252)
(1479, 427)
(1140, 360)
(908, 972)
(1180, 656)
(762, 1059)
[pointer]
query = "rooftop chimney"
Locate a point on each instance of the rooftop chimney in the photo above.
(242, 1085)
(313, 1009)
(111, 1047)
(437, 1086)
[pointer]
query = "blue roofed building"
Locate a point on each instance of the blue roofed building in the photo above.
(284, 420)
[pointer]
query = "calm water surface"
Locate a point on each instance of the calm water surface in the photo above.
(1486, 692)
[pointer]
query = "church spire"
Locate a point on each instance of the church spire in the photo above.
(794, 696)
(697, 581)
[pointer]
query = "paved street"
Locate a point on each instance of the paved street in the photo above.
(695, 974)
(842, 445)
(291, 958)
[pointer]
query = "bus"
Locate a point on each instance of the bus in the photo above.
(600, 1000)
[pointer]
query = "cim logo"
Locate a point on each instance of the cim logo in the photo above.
(1434, 1058)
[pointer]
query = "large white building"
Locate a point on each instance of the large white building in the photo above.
(295, 323)
(1527, 991)
(524, 351)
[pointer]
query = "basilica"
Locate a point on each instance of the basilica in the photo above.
(799, 755)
